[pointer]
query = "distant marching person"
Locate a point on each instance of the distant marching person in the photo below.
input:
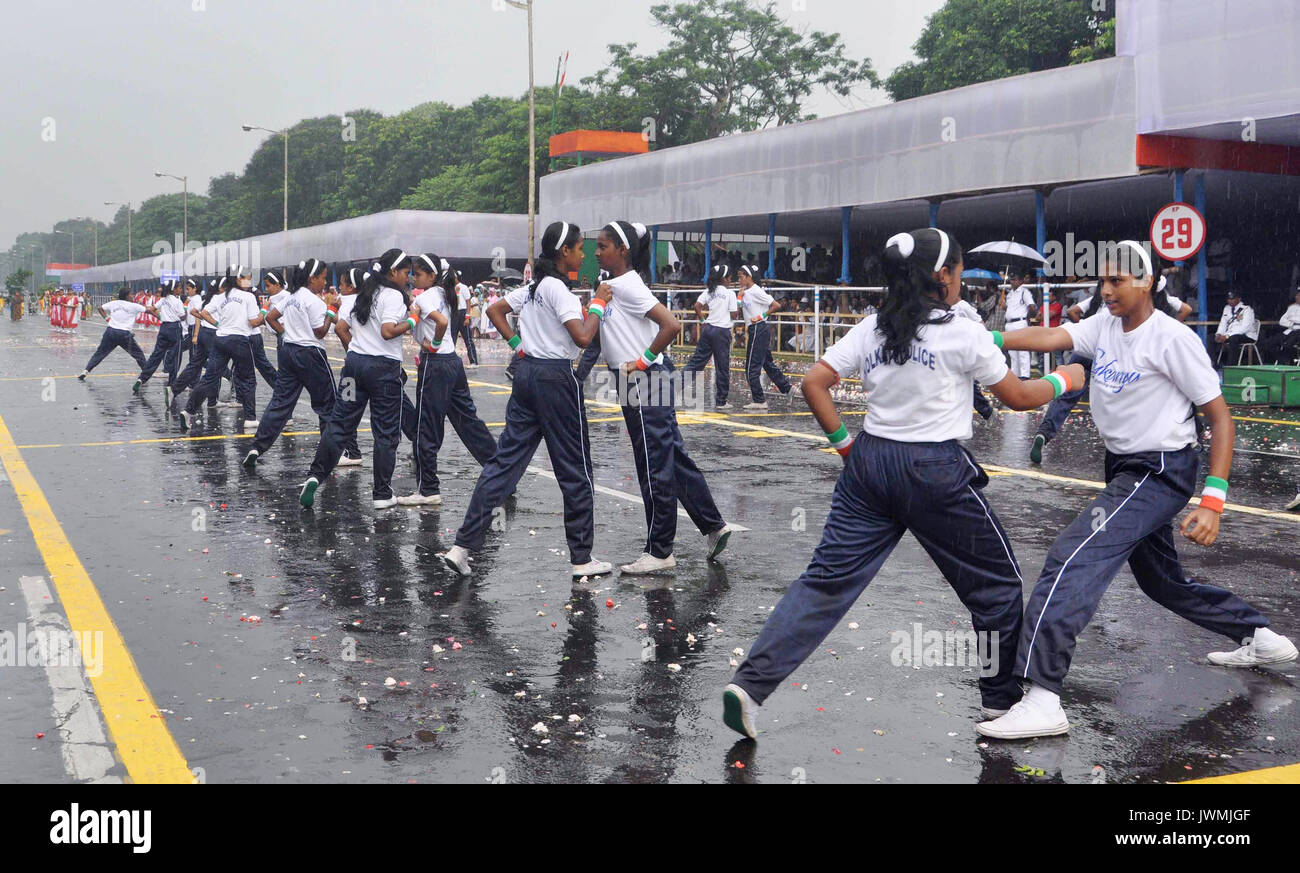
(235, 313)
(546, 402)
(758, 306)
(372, 376)
(274, 285)
(203, 337)
(715, 332)
(303, 318)
(441, 389)
(464, 298)
(170, 312)
(120, 315)
(1149, 375)
(1059, 412)
(278, 293)
(349, 279)
(190, 290)
(634, 337)
(907, 471)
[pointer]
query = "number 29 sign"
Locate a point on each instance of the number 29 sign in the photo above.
(1178, 232)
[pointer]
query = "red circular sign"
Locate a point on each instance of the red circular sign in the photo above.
(1178, 232)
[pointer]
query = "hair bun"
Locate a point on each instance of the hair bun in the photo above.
(900, 246)
(376, 267)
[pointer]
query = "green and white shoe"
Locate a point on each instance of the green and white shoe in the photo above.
(738, 711)
(308, 495)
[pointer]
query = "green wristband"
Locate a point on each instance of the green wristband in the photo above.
(411, 322)
(997, 338)
(1216, 482)
(515, 342)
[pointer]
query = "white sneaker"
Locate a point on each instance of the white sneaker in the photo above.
(250, 460)
(186, 421)
(251, 424)
(345, 461)
(990, 714)
(1265, 647)
(718, 541)
(1030, 717)
(738, 711)
(592, 568)
(420, 500)
(1294, 504)
(386, 504)
(648, 563)
(457, 560)
(757, 407)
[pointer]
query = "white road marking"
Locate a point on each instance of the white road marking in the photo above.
(87, 755)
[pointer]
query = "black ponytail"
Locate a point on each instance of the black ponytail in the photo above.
(376, 278)
(272, 277)
(305, 271)
(210, 291)
(911, 260)
(559, 235)
(450, 282)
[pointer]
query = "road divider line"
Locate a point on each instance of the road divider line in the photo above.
(1285, 775)
(83, 745)
(138, 730)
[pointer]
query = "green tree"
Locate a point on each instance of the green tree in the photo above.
(969, 41)
(16, 282)
(728, 67)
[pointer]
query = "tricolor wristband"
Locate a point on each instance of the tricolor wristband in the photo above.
(332, 314)
(840, 440)
(997, 338)
(597, 309)
(1214, 494)
(411, 322)
(647, 360)
(515, 342)
(264, 313)
(1059, 381)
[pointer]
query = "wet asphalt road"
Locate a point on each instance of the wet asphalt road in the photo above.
(276, 700)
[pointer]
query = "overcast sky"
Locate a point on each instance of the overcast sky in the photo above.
(137, 86)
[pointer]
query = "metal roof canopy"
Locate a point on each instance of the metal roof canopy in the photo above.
(1213, 69)
(453, 235)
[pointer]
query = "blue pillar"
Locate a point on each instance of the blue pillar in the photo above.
(1202, 292)
(654, 254)
(708, 250)
(1040, 222)
(1178, 197)
(771, 246)
(934, 214)
(846, 219)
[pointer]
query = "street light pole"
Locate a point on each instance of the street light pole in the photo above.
(72, 252)
(532, 132)
(248, 128)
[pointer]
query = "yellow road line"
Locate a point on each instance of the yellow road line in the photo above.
(1287, 775)
(137, 728)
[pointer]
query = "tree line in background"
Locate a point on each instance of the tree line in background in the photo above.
(729, 67)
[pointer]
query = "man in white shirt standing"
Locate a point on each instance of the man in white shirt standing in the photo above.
(1020, 307)
(1237, 327)
(1283, 348)
(460, 324)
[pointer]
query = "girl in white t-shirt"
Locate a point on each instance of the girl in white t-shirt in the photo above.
(441, 388)
(372, 377)
(235, 314)
(717, 309)
(1149, 375)
(634, 338)
(120, 315)
(546, 403)
(907, 472)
